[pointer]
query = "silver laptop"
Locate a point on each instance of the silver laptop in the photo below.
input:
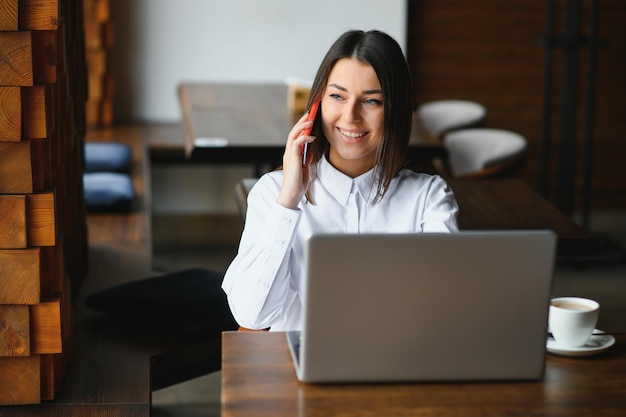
(467, 306)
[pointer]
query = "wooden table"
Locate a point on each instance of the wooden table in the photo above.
(258, 379)
(249, 123)
(500, 204)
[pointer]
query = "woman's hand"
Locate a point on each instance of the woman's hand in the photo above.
(295, 175)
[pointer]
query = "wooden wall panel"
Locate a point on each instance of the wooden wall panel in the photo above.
(42, 95)
(490, 51)
(28, 58)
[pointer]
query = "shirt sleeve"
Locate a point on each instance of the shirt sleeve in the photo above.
(257, 281)
(440, 208)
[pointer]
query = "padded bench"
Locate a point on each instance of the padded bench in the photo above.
(106, 178)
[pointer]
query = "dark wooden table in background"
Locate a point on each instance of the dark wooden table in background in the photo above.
(504, 204)
(258, 379)
(241, 123)
(498, 204)
(249, 123)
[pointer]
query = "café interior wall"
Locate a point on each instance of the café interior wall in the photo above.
(159, 43)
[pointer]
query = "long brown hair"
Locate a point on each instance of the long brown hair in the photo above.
(384, 54)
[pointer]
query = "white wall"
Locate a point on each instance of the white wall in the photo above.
(159, 43)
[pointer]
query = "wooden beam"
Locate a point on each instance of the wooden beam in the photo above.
(10, 113)
(102, 9)
(96, 11)
(48, 376)
(40, 217)
(27, 220)
(45, 56)
(8, 15)
(20, 380)
(45, 327)
(15, 334)
(13, 233)
(20, 271)
(39, 14)
(97, 61)
(15, 170)
(52, 271)
(108, 35)
(16, 60)
(96, 87)
(40, 163)
(34, 112)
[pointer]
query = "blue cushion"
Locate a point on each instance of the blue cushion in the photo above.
(108, 191)
(108, 157)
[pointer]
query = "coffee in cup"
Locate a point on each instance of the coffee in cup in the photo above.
(572, 320)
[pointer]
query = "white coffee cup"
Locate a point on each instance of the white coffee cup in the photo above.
(572, 320)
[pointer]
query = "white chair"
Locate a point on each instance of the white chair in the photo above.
(441, 116)
(483, 152)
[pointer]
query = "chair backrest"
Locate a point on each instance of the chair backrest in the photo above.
(441, 116)
(480, 152)
(242, 188)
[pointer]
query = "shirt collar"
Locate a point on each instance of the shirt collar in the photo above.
(339, 184)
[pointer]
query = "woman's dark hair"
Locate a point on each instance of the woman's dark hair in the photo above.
(384, 54)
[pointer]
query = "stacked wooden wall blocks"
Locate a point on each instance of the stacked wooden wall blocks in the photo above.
(98, 42)
(43, 236)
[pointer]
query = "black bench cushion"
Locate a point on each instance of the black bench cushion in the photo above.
(187, 301)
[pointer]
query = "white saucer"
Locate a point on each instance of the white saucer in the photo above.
(596, 344)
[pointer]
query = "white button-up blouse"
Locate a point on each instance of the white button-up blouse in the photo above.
(263, 281)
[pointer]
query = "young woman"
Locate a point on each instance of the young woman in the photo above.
(353, 180)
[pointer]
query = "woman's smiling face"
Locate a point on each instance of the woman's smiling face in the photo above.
(353, 116)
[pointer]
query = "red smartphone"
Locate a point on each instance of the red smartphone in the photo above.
(312, 114)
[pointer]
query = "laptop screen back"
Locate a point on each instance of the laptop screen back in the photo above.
(426, 307)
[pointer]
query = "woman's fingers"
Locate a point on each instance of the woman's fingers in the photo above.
(300, 125)
(295, 175)
(296, 141)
